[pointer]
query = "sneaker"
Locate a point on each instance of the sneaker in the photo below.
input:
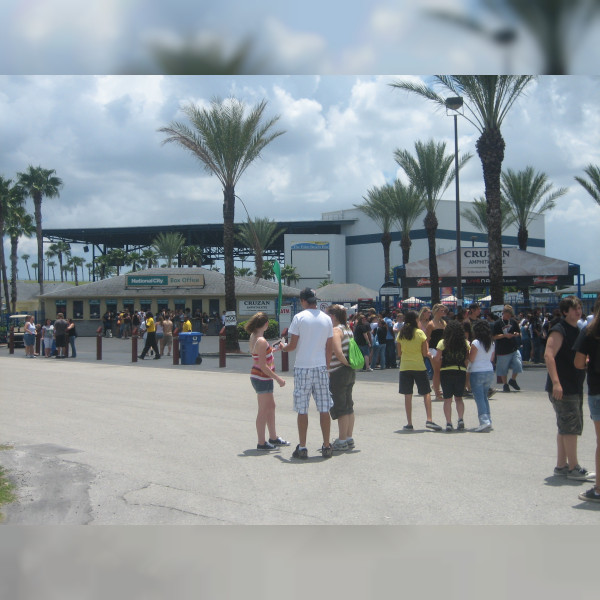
(513, 383)
(467, 394)
(157, 357)
(460, 425)
(350, 442)
(327, 452)
(561, 471)
(433, 426)
(580, 474)
(140, 357)
(278, 442)
(300, 453)
(483, 427)
(590, 496)
(491, 392)
(265, 446)
(408, 427)
(449, 427)
(341, 445)
(506, 388)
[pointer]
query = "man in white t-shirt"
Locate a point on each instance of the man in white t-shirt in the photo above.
(311, 335)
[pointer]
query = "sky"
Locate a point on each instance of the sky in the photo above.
(100, 134)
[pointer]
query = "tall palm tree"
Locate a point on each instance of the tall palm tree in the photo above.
(51, 265)
(528, 193)
(377, 207)
(259, 235)
(26, 258)
(168, 245)
(10, 197)
(477, 214)
(149, 258)
(61, 250)
(117, 258)
(289, 274)
(267, 270)
(133, 260)
(38, 183)
(89, 266)
(18, 222)
(74, 263)
(592, 187)
(489, 99)
(49, 254)
(407, 204)
(226, 138)
(192, 256)
(34, 266)
(430, 171)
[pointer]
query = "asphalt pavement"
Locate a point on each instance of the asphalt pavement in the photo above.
(116, 442)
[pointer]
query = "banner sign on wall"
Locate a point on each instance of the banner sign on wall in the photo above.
(249, 307)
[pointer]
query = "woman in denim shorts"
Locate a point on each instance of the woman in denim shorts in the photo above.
(261, 377)
(587, 346)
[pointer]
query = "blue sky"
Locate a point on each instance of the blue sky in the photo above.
(100, 134)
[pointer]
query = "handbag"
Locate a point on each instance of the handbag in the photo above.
(355, 355)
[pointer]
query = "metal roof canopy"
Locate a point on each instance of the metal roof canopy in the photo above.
(209, 236)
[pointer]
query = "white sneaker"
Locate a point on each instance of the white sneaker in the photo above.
(483, 427)
(341, 445)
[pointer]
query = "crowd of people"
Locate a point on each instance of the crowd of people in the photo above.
(54, 336)
(458, 353)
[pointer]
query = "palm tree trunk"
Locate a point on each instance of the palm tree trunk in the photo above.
(386, 242)
(431, 224)
(3, 267)
(28, 273)
(232, 344)
(60, 266)
(37, 203)
(523, 236)
(14, 241)
(405, 244)
(490, 147)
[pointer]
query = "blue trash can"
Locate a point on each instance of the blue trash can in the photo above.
(189, 343)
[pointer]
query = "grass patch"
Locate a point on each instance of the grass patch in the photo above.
(7, 488)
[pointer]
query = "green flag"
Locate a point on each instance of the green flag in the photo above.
(277, 271)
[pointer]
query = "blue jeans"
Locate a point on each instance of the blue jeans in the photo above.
(429, 368)
(378, 354)
(480, 383)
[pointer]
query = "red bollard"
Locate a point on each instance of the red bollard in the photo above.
(222, 345)
(285, 357)
(176, 347)
(11, 340)
(99, 343)
(134, 345)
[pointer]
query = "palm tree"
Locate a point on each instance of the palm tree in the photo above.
(116, 258)
(10, 197)
(60, 250)
(242, 272)
(226, 138)
(26, 258)
(430, 171)
(377, 207)
(105, 265)
(18, 222)
(290, 274)
(89, 266)
(34, 266)
(133, 259)
(37, 183)
(267, 270)
(592, 187)
(407, 203)
(259, 235)
(66, 269)
(74, 263)
(168, 245)
(477, 215)
(51, 265)
(192, 256)
(528, 193)
(49, 254)
(490, 99)
(149, 258)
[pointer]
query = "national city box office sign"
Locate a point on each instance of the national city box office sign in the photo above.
(164, 281)
(518, 268)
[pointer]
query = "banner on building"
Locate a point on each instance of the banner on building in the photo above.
(164, 281)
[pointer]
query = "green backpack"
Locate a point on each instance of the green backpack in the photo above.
(355, 355)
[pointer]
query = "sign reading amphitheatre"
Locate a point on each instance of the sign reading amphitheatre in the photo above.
(165, 281)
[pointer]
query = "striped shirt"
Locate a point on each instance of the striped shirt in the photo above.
(335, 364)
(257, 372)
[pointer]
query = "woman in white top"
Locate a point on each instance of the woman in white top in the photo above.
(481, 368)
(48, 337)
(29, 337)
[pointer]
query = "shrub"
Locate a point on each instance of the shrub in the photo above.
(271, 333)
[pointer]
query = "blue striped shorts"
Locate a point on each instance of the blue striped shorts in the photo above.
(313, 381)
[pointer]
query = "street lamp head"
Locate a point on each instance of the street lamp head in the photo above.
(454, 103)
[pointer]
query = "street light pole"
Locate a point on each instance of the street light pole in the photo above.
(454, 104)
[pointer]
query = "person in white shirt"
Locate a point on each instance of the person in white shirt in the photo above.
(311, 335)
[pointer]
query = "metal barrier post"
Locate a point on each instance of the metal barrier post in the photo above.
(222, 346)
(11, 340)
(134, 345)
(99, 343)
(176, 347)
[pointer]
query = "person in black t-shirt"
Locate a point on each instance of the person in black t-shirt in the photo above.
(507, 335)
(588, 346)
(564, 385)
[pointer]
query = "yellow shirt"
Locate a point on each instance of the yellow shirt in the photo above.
(150, 326)
(187, 326)
(412, 354)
